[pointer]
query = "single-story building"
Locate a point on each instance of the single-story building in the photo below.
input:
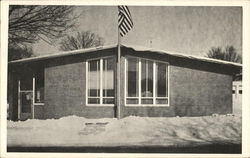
(153, 83)
(237, 94)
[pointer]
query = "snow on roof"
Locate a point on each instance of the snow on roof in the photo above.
(134, 47)
(140, 48)
(62, 54)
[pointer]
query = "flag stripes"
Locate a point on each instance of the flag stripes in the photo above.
(125, 22)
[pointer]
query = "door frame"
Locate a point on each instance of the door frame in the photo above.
(33, 98)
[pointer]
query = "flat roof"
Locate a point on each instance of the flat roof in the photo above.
(177, 54)
(134, 47)
(62, 54)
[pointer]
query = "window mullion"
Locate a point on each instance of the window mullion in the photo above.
(87, 81)
(167, 82)
(19, 99)
(147, 67)
(101, 72)
(33, 93)
(154, 83)
(106, 77)
(33, 89)
(126, 81)
(139, 81)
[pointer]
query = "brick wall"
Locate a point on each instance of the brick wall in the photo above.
(65, 88)
(196, 88)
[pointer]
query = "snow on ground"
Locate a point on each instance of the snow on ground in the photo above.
(164, 131)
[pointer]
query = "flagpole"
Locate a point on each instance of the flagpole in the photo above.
(118, 74)
(126, 23)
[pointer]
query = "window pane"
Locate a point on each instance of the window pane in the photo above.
(146, 78)
(161, 80)
(26, 82)
(94, 78)
(234, 89)
(108, 77)
(108, 101)
(161, 101)
(39, 88)
(147, 101)
(26, 101)
(93, 101)
(132, 77)
(240, 89)
(132, 101)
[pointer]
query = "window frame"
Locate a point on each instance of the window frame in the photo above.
(33, 104)
(34, 91)
(101, 97)
(154, 84)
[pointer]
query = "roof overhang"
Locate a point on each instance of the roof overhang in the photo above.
(135, 48)
(140, 48)
(62, 54)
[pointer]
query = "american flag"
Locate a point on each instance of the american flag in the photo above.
(125, 22)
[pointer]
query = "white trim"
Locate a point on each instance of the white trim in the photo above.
(38, 103)
(148, 105)
(100, 105)
(101, 77)
(25, 90)
(87, 81)
(125, 81)
(139, 83)
(154, 84)
(103, 97)
(142, 98)
(33, 98)
(161, 98)
(168, 83)
(19, 102)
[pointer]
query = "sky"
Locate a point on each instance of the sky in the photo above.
(187, 30)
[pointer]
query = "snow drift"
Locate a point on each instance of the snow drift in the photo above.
(132, 131)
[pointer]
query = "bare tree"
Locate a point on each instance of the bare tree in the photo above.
(81, 40)
(228, 54)
(232, 55)
(216, 53)
(17, 52)
(29, 23)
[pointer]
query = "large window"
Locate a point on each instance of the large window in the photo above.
(100, 81)
(146, 82)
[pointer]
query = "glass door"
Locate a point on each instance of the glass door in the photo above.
(25, 97)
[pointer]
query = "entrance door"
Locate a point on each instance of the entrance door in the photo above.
(26, 100)
(25, 97)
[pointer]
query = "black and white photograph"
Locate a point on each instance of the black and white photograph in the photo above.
(135, 78)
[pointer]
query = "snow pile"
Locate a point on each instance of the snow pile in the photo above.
(79, 131)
